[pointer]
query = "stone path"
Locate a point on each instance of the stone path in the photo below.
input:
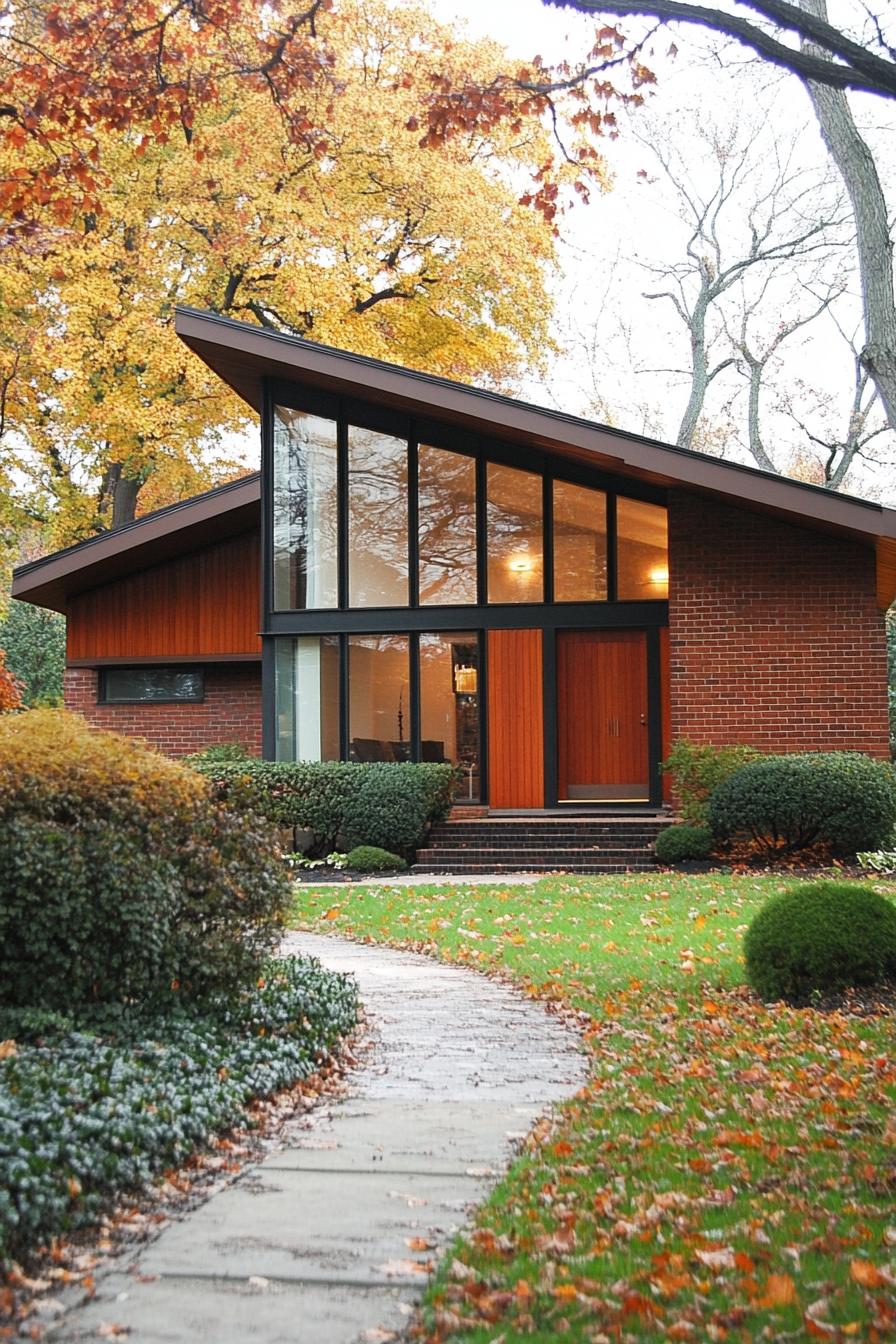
(311, 1245)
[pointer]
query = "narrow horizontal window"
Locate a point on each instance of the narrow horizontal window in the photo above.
(121, 685)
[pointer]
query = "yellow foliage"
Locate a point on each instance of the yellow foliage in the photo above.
(419, 256)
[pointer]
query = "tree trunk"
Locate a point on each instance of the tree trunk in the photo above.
(875, 250)
(699, 374)
(118, 495)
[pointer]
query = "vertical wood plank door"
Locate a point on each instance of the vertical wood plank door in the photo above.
(602, 743)
(515, 719)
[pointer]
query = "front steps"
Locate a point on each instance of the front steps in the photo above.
(540, 843)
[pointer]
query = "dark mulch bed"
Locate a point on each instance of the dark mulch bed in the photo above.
(315, 876)
(861, 1001)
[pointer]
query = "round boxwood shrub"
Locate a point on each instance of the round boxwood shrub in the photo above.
(677, 844)
(121, 879)
(785, 803)
(819, 938)
(370, 859)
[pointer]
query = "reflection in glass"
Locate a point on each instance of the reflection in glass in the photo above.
(379, 712)
(514, 527)
(304, 521)
(449, 706)
(642, 551)
(377, 519)
(447, 510)
(580, 543)
(306, 677)
(151, 683)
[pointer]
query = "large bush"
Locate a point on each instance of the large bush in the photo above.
(698, 769)
(321, 797)
(818, 938)
(120, 876)
(785, 803)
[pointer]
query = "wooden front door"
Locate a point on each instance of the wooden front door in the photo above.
(602, 743)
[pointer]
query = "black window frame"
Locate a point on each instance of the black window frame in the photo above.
(103, 697)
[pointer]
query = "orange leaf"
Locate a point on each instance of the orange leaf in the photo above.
(868, 1275)
(780, 1291)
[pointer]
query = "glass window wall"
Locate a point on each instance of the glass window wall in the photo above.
(580, 543)
(305, 509)
(447, 529)
(449, 706)
(307, 697)
(515, 535)
(642, 551)
(377, 519)
(379, 701)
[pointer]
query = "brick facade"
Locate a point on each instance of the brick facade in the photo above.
(775, 635)
(230, 712)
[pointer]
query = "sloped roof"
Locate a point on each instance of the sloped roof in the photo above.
(244, 356)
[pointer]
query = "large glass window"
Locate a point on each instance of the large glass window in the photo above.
(307, 698)
(515, 531)
(304, 522)
(379, 712)
(449, 706)
(377, 519)
(580, 543)
(642, 551)
(447, 530)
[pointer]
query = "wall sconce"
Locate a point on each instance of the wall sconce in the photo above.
(520, 564)
(466, 680)
(659, 576)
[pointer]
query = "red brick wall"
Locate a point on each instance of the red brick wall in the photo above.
(230, 712)
(775, 634)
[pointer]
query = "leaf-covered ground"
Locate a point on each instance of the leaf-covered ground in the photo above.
(729, 1171)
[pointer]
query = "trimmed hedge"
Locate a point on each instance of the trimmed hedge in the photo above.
(819, 938)
(677, 844)
(99, 1102)
(339, 802)
(120, 877)
(785, 803)
(370, 859)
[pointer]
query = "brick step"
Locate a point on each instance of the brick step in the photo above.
(472, 869)
(529, 841)
(548, 827)
(534, 851)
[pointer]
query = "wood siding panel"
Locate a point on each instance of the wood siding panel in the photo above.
(515, 719)
(207, 603)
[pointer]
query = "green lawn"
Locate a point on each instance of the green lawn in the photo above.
(728, 1172)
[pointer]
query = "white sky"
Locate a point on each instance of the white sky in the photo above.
(603, 241)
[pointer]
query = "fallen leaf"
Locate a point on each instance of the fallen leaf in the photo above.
(112, 1330)
(418, 1244)
(868, 1275)
(394, 1269)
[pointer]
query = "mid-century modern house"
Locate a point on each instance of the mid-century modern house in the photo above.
(426, 571)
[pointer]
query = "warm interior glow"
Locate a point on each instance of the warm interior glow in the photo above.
(659, 575)
(465, 680)
(520, 564)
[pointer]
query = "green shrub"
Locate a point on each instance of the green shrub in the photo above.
(818, 938)
(96, 1103)
(388, 809)
(840, 799)
(220, 753)
(369, 859)
(698, 770)
(120, 877)
(677, 844)
(321, 796)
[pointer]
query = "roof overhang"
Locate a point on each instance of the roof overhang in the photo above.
(225, 512)
(244, 356)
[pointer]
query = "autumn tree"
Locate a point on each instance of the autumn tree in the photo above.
(380, 246)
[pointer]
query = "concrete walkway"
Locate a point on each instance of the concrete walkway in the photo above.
(329, 1240)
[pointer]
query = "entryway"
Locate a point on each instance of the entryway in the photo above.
(602, 713)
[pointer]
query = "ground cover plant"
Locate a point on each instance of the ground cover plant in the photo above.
(94, 1102)
(728, 1171)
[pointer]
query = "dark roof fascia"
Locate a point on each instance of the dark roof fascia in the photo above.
(245, 356)
(213, 516)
